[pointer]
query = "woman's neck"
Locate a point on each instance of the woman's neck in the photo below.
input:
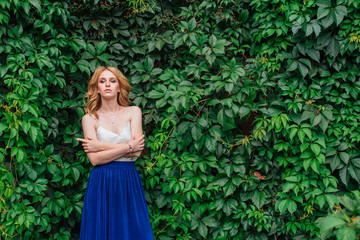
(109, 106)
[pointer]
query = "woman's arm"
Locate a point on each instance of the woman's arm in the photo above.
(96, 146)
(106, 156)
(136, 131)
(136, 127)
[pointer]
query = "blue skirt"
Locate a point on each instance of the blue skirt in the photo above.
(115, 206)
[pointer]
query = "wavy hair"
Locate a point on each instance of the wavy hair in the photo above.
(93, 97)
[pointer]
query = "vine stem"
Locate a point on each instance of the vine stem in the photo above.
(173, 127)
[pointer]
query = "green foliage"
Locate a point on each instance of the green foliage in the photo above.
(250, 109)
(344, 222)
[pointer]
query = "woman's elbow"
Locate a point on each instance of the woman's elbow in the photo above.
(93, 161)
(136, 154)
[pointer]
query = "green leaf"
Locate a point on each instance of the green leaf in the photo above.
(32, 174)
(124, 33)
(221, 117)
(293, 66)
(209, 221)
(203, 230)
(288, 186)
(210, 143)
(36, 4)
(178, 41)
(192, 24)
(244, 111)
(344, 175)
(307, 132)
(314, 54)
(324, 123)
(316, 120)
(84, 66)
(344, 157)
(151, 46)
(346, 233)
(301, 135)
(331, 200)
(293, 132)
(292, 206)
(148, 64)
(282, 205)
(330, 222)
(21, 219)
(155, 94)
(327, 21)
(317, 28)
(259, 198)
(229, 189)
(212, 40)
(315, 166)
(210, 58)
(26, 6)
(340, 12)
(76, 173)
(315, 148)
(305, 61)
(324, 3)
(323, 12)
(196, 133)
(307, 163)
(20, 156)
(303, 69)
(333, 48)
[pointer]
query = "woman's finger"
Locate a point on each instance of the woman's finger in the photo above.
(82, 140)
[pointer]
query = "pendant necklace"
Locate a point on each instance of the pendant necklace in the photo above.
(112, 121)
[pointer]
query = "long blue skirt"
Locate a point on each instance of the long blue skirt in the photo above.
(115, 206)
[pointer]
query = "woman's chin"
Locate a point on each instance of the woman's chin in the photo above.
(108, 96)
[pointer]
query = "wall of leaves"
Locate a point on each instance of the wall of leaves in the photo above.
(251, 114)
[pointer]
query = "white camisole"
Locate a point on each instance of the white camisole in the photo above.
(124, 136)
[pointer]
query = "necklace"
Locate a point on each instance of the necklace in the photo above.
(112, 121)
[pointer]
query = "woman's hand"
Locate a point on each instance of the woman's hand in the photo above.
(137, 144)
(91, 145)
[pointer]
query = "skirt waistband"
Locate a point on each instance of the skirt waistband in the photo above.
(117, 164)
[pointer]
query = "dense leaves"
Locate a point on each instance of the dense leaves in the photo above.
(250, 110)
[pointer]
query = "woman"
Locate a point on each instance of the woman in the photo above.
(114, 204)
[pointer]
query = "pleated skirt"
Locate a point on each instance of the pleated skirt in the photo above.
(115, 206)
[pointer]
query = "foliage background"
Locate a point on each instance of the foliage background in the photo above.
(250, 109)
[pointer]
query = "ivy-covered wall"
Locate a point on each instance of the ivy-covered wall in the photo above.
(251, 114)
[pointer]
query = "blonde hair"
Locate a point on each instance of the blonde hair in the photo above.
(93, 97)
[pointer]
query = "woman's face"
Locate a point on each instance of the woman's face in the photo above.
(108, 85)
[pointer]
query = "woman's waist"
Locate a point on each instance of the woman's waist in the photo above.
(120, 164)
(125, 159)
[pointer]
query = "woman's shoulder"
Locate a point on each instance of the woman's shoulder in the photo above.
(134, 109)
(89, 118)
(135, 112)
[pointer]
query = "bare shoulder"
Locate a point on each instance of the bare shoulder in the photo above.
(135, 112)
(87, 119)
(135, 109)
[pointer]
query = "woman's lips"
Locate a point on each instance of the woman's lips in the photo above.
(107, 90)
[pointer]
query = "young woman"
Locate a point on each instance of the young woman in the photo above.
(114, 206)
